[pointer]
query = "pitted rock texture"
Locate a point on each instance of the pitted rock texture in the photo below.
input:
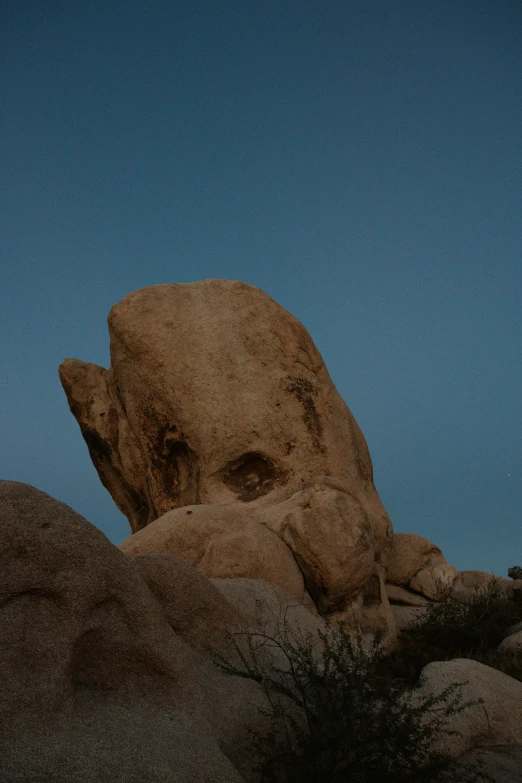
(94, 682)
(215, 394)
(217, 399)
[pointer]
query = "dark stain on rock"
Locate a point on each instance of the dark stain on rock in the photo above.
(128, 500)
(290, 446)
(252, 475)
(371, 592)
(305, 392)
(176, 467)
(325, 602)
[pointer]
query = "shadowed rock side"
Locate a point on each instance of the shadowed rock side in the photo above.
(216, 396)
(105, 661)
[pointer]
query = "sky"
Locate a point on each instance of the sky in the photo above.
(360, 162)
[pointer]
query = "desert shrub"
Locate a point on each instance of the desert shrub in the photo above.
(453, 629)
(335, 715)
(515, 572)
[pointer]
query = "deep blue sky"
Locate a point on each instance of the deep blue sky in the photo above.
(360, 162)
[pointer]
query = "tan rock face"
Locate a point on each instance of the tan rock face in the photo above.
(318, 541)
(215, 394)
(222, 542)
(218, 403)
(434, 581)
(409, 554)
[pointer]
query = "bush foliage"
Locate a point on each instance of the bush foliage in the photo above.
(336, 716)
(453, 629)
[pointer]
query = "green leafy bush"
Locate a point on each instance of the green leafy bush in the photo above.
(336, 716)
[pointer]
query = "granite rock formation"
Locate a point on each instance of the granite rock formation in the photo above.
(107, 668)
(218, 403)
(106, 671)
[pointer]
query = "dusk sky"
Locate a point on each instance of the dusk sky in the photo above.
(361, 162)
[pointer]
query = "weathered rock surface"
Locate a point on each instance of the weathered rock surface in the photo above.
(218, 400)
(475, 580)
(320, 533)
(399, 595)
(435, 580)
(268, 609)
(194, 608)
(222, 542)
(513, 643)
(215, 394)
(409, 554)
(497, 720)
(102, 678)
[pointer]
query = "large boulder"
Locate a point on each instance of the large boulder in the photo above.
(216, 396)
(103, 676)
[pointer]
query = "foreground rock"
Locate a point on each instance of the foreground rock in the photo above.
(104, 672)
(217, 403)
(107, 669)
(502, 764)
(495, 715)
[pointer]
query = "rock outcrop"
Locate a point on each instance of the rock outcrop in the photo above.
(105, 672)
(214, 430)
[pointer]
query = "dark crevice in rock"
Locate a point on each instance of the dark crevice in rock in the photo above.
(305, 392)
(128, 500)
(176, 468)
(252, 475)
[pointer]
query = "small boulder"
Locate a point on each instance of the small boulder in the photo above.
(409, 554)
(494, 716)
(511, 643)
(434, 581)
